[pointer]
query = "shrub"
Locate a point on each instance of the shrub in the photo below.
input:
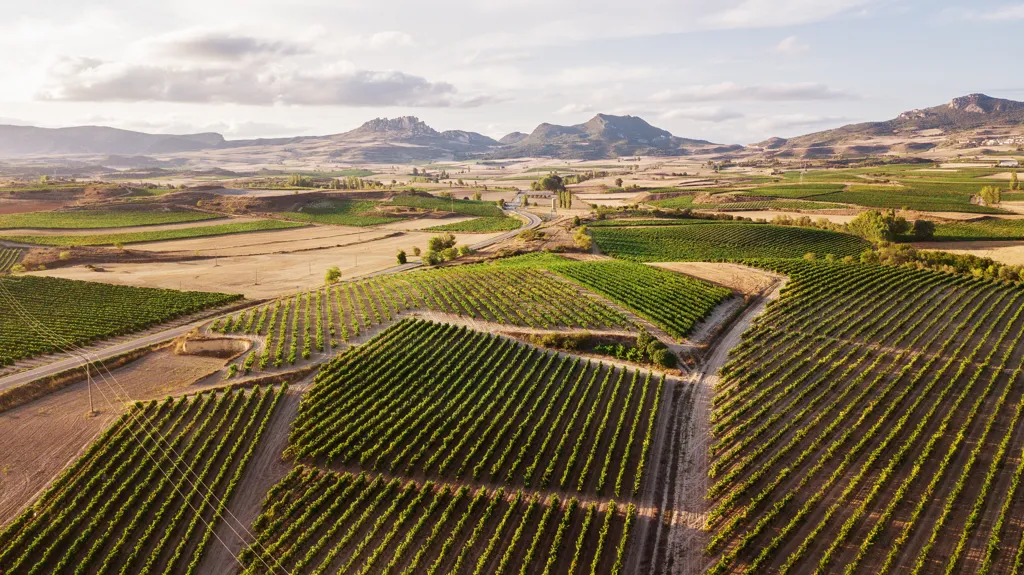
(333, 275)
(402, 259)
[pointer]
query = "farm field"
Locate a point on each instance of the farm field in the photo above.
(9, 257)
(981, 230)
(78, 313)
(464, 207)
(797, 191)
(372, 524)
(919, 197)
(342, 213)
(86, 219)
(132, 229)
(296, 327)
(672, 301)
(714, 241)
(1006, 252)
(146, 495)
(687, 202)
(878, 440)
(138, 237)
(484, 225)
(486, 408)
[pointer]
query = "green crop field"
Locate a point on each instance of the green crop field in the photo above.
(714, 241)
(867, 423)
(988, 229)
(687, 202)
(672, 301)
(342, 213)
(85, 219)
(154, 236)
(921, 197)
(370, 524)
(482, 407)
(148, 494)
(481, 225)
(465, 207)
(295, 326)
(9, 257)
(624, 223)
(793, 191)
(43, 315)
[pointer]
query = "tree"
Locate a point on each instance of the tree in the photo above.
(878, 227)
(416, 251)
(1014, 183)
(333, 275)
(432, 258)
(575, 221)
(415, 171)
(552, 183)
(923, 230)
(402, 259)
(991, 195)
(441, 242)
(465, 250)
(618, 182)
(582, 239)
(477, 196)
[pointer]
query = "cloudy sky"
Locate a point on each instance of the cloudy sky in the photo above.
(732, 71)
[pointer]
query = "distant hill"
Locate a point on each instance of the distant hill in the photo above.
(604, 136)
(381, 140)
(405, 139)
(29, 140)
(964, 121)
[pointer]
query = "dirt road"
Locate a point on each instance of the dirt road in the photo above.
(673, 539)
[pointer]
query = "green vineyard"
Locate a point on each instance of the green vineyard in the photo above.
(155, 236)
(879, 440)
(41, 315)
(146, 497)
(672, 301)
(466, 405)
(9, 257)
(317, 522)
(86, 219)
(320, 321)
(723, 241)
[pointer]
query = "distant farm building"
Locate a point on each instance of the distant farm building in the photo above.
(1009, 164)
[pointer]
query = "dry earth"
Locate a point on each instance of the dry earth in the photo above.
(744, 279)
(39, 439)
(1007, 252)
(278, 273)
(130, 229)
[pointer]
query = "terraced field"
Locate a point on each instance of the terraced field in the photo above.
(35, 312)
(715, 241)
(481, 225)
(148, 493)
(868, 423)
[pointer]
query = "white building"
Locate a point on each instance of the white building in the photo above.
(1009, 164)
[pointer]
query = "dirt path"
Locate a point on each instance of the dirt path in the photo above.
(679, 536)
(264, 470)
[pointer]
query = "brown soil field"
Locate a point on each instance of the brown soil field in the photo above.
(423, 223)
(131, 229)
(279, 273)
(39, 439)
(1008, 252)
(11, 206)
(257, 243)
(743, 279)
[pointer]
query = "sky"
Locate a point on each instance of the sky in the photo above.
(729, 71)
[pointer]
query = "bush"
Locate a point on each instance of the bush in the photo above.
(402, 259)
(449, 254)
(441, 242)
(465, 250)
(64, 256)
(665, 358)
(416, 251)
(333, 275)
(923, 230)
(432, 258)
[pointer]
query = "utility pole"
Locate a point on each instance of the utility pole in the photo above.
(88, 385)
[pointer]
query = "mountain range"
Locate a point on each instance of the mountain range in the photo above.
(967, 121)
(382, 140)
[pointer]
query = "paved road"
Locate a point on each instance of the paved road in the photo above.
(65, 364)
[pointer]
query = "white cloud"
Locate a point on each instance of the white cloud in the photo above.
(224, 47)
(778, 13)
(575, 109)
(765, 92)
(14, 122)
(1000, 13)
(702, 114)
(795, 121)
(791, 45)
(92, 80)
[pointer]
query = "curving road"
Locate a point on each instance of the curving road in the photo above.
(72, 362)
